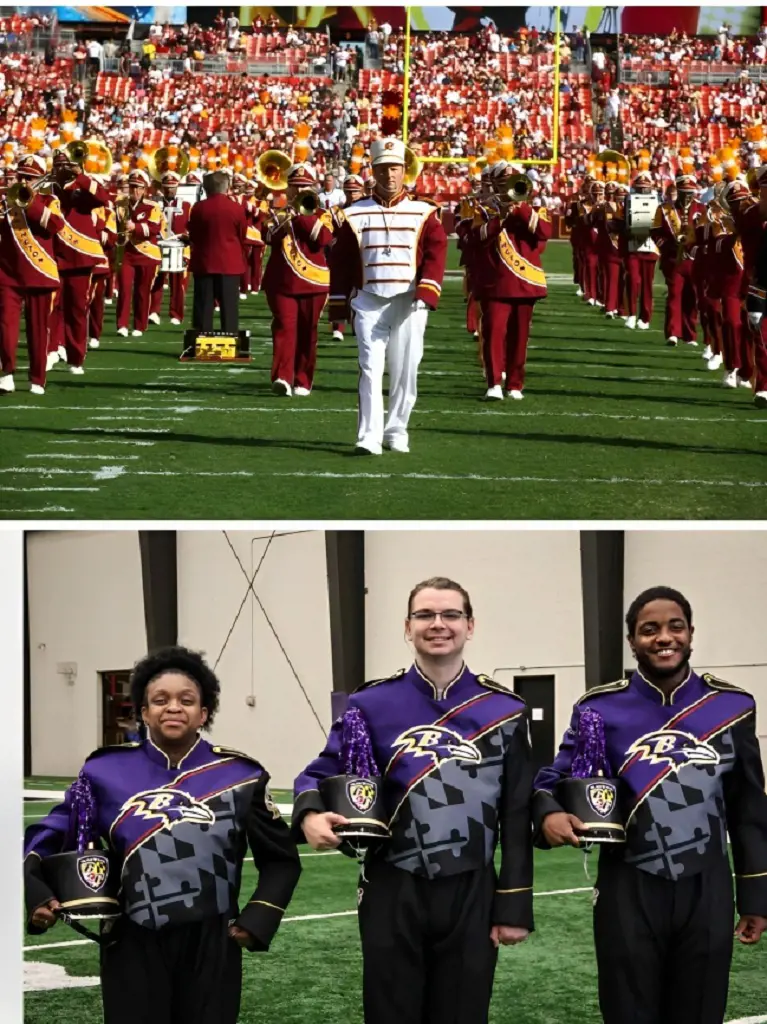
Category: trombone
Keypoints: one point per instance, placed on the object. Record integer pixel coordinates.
(122, 216)
(22, 194)
(518, 189)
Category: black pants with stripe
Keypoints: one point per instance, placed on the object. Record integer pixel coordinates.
(427, 954)
(663, 948)
(190, 974)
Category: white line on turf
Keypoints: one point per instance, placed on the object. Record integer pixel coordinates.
(279, 409)
(56, 455)
(27, 511)
(67, 490)
(301, 917)
(106, 440)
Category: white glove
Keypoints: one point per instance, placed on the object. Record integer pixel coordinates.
(754, 320)
(419, 304)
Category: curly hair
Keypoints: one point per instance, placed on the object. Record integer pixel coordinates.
(176, 659)
(656, 594)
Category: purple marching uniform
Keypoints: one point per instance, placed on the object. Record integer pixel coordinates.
(457, 775)
(689, 771)
(181, 833)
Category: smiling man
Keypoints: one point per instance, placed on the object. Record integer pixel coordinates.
(179, 814)
(454, 751)
(685, 750)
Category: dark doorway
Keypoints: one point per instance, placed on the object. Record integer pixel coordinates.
(538, 693)
(116, 708)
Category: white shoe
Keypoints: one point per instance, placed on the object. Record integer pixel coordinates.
(760, 399)
(742, 381)
(154, 318)
(476, 334)
(642, 325)
(707, 353)
(50, 362)
(579, 293)
(107, 302)
(363, 449)
(715, 362)
(301, 392)
(515, 394)
(592, 302)
(611, 314)
(672, 341)
(631, 322)
(94, 343)
(136, 334)
(692, 344)
(62, 353)
(397, 446)
(600, 304)
(7, 384)
(338, 336)
(730, 380)
(243, 296)
(36, 389)
(175, 321)
(281, 387)
(123, 332)
(78, 371)
(494, 394)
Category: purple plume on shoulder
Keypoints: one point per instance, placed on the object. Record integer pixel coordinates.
(82, 816)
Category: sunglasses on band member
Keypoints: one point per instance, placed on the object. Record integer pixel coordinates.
(450, 615)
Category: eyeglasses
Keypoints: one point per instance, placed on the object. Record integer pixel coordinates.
(451, 615)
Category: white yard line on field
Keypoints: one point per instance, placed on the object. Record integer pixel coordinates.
(28, 511)
(277, 409)
(57, 455)
(67, 490)
(106, 440)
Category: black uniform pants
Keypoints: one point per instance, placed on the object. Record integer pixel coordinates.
(211, 287)
(190, 974)
(426, 949)
(663, 948)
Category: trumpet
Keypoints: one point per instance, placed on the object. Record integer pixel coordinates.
(519, 189)
(306, 203)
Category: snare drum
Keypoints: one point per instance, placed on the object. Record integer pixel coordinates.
(172, 256)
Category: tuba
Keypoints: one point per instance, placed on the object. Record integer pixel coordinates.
(158, 162)
(306, 203)
(272, 170)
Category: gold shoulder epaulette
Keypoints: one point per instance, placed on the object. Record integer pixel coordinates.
(229, 752)
(491, 684)
(375, 682)
(113, 746)
(721, 684)
(595, 691)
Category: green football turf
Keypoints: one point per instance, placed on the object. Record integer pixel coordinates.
(312, 973)
(614, 425)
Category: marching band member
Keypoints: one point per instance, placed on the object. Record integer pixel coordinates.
(141, 258)
(726, 282)
(120, 195)
(107, 222)
(296, 283)
(590, 253)
(752, 225)
(610, 224)
(574, 223)
(176, 213)
(509, 284)
(29, 277)
(354, 190)
(255, 213)
(641, 259)
(700, 246)
(387, 268)
(669, 232)
(78, 250)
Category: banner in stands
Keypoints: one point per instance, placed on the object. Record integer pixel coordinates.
(651, 20)
(120, 15)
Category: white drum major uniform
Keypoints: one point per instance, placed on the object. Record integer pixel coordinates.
(386, 268)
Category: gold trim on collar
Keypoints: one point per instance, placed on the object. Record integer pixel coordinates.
(426, 679)
(658, 689)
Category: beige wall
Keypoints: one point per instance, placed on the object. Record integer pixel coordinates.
(280, 730)
(86, 609)
(723, 574)
(525, 588)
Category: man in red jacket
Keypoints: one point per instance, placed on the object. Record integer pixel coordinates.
(217, 235)
(176, 212)
(29, 278)
(296, 284)
(141, 258)
(510, 282)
